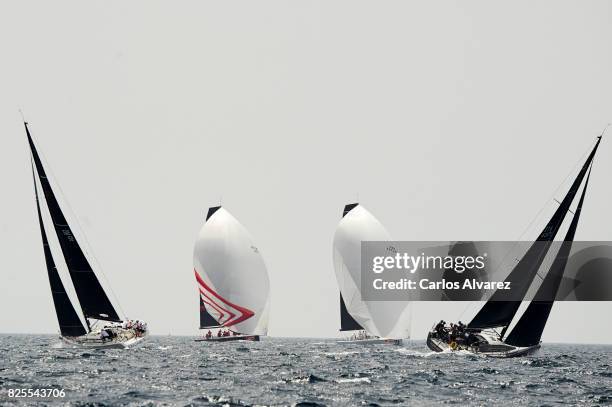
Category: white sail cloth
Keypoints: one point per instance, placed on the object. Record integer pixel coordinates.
(231, 274)
(386, 319)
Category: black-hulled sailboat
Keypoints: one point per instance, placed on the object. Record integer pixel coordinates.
(487, 333)
(100, 325)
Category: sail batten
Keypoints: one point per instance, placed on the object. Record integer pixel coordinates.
(93, 300)
(498, 312)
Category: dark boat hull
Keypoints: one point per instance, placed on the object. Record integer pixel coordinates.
(491, 347)
(251, 338)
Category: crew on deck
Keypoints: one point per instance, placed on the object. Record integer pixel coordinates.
(455, 334)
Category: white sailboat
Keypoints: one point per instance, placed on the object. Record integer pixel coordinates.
(232, 279)
(370, 321)
(98, 325)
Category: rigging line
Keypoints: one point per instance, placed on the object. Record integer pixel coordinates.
(82, 234)
(604, 130)
(537, 216)
(572, 171)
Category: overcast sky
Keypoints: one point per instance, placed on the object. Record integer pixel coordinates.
(449, 120)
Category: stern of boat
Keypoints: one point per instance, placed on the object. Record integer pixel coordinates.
(433, 343)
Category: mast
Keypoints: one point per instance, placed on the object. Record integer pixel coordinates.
(67, 317)
(94, 301)
(529, 328)
(499, 310)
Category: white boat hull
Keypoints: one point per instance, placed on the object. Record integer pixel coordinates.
(93, 341)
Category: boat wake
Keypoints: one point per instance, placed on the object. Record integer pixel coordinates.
(420, 354)
(346, 353)
(354, 380)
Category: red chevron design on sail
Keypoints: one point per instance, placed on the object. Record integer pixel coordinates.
(227, 313)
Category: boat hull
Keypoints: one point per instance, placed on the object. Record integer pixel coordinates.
(372, 341)
(490, 347)
(88, 342)
(250, 338)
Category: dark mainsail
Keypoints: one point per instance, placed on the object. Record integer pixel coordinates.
(67, 317)
(206, 320)
(347, 322)
(528, 330)
(94, 301)
(498, 312)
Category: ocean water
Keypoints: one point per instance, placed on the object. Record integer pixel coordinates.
(277, 371)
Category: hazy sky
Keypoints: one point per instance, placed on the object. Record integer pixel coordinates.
(449, 120)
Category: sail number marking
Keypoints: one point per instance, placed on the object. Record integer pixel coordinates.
(68, 234)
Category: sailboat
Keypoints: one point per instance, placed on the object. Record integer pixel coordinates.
(98, 324)
(371, 322)
(232, 280)
(487, 333)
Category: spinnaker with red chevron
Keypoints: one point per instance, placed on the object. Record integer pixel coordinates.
(232, 280)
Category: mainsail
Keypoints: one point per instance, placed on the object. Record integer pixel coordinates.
(207, 321)
(67, 317)
(92, 298)
(232, 276)
(347, 322)
(499, 311)
(386, 319)
(529, 328)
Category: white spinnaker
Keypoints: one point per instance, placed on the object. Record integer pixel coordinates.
(234, 274)
(386, 319)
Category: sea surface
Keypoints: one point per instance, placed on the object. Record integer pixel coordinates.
(280, 371)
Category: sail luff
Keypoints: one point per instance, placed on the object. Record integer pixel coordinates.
(528, 330)
(92, 298)
(499, 312)
(67, 317)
